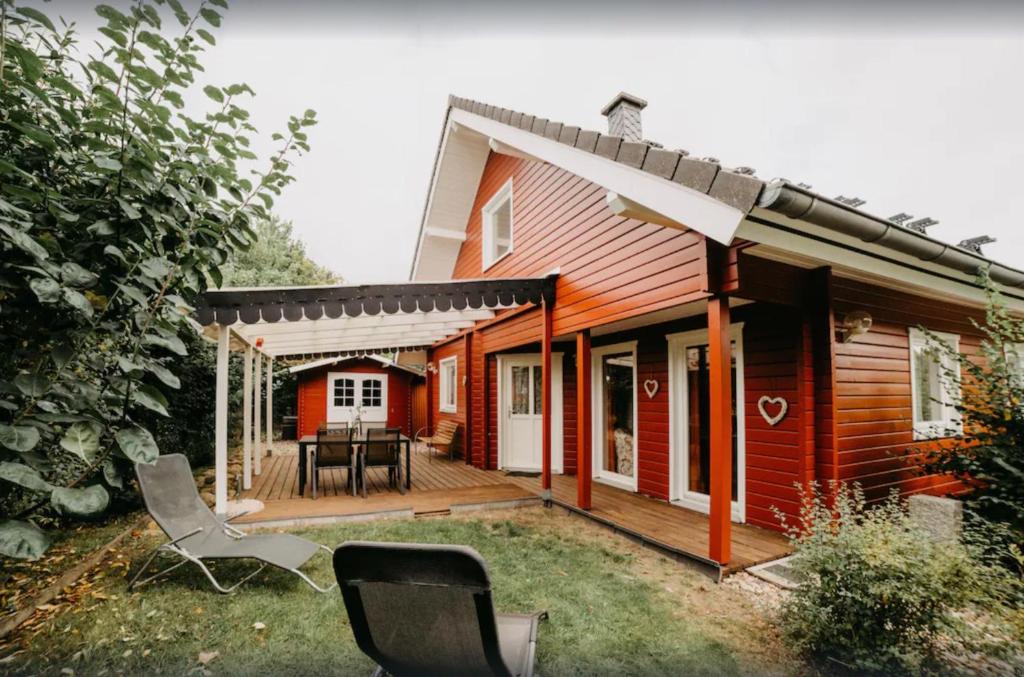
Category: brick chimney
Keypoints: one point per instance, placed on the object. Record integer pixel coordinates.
(623, 113)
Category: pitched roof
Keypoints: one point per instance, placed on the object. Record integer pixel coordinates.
(338, 360)
(736, 187)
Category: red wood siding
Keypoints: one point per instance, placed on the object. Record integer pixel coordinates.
(312, 395)
(874, 422)
(610, 267)
(454, 348)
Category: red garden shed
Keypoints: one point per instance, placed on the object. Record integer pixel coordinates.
(333, 389)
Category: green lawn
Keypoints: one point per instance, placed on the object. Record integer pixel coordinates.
(614, 608)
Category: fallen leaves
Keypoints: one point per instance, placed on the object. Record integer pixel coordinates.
(205, 657)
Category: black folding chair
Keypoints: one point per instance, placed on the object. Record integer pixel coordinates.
(426, 610)
(335, 449)
(382, 449)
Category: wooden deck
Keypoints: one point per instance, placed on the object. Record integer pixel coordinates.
(440, 486)
(665, 525)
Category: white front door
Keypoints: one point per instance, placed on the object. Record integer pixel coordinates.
(519, 413)
(690, 445)
(351, 395)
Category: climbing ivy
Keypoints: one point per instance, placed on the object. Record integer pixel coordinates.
(118, 206)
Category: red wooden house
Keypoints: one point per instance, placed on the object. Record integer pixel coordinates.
(658, 324)
(331, 390)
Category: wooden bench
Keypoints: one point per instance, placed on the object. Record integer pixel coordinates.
(443, 438)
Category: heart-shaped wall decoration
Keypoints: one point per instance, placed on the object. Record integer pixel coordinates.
(651, 388)
(779, 402)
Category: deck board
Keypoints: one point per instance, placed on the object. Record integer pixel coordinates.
(438, 483)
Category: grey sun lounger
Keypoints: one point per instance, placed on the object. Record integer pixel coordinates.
(197, 535)
(426, 610)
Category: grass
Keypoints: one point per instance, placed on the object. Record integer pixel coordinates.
(614, 608)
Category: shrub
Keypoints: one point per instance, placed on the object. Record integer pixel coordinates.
(879, 594)
(989, 458)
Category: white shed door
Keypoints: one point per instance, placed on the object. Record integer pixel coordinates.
(349, 393)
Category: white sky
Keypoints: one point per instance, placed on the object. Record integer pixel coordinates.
(925, 119)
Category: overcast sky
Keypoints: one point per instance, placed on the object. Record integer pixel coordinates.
(915, 109)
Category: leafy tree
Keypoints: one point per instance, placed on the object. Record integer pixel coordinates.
(276, 258)
(989, 458)
(117, 208)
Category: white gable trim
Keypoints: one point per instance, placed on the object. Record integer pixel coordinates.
(682, 205)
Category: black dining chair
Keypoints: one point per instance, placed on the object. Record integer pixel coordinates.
(381, 449)
(334, 449)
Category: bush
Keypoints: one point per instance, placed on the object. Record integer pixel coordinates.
(878, 594)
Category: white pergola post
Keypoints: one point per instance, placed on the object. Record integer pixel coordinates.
(221, 421)
(247, 419)
(270, 405)
(257, 402)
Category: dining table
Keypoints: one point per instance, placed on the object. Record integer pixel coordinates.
(308, 441)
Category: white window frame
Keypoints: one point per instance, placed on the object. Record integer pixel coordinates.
(597, 424)
(487, 225)
(448, 387)
(950, 424)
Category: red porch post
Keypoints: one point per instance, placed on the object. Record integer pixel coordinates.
(468, 437)
(545, 371)
(583, 456)
(720, 395)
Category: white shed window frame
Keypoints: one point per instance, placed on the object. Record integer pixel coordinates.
(447, 384)
(950, 425)
(487, 226)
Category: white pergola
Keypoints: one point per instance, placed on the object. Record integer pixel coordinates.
(299, 323)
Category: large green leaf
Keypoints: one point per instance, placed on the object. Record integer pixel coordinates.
(36, 16)
(23, 475)
(150, 398)
(80, 502)
(112, 475)
(33, 385)
(20, 438)
(46, 289)
(22, 540)
(76, 276)
(137, 444)
(164, 374)
(77, 300)
(83, 440)
(171, 343)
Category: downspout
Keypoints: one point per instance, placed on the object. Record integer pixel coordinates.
(799, 203)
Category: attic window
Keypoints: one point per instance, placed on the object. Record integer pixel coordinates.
(497, 226)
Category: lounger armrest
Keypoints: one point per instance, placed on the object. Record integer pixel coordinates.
(230, 530)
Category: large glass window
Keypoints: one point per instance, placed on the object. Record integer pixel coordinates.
(448, 373)
(932, 374)
(497, 226)
(617, 385)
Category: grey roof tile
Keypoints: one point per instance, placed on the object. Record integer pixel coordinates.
(568, 135)
(661, 162)
(515, 119)
(527, 122)
(539, 125)
(737, 190)
(632, 154)
(607, 146)
(587, 140)
(506, 115)
(696, 174)
(552, 130)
